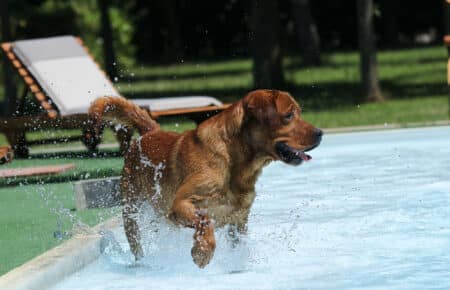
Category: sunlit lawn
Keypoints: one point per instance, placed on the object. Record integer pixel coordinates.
(413, 81)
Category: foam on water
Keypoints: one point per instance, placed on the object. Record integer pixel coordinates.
(370, 211)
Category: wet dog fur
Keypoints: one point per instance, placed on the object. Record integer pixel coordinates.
(205, 178)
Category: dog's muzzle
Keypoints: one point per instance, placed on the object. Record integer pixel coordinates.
(291, 155)
(295, 156)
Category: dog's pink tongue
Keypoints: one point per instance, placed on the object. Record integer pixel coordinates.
(304, 156)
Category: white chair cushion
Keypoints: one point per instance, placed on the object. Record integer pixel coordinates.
(161, 104)
(72, 80)
(72, 83)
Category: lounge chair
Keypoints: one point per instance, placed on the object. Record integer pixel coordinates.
(65, 79)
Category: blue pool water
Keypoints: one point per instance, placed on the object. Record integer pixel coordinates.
(371, 211)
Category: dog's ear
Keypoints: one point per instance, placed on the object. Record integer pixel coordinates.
(259, 105)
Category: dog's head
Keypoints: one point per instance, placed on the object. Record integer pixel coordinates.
(274, 126)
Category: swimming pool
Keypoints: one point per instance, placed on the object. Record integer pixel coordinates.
(371, 210)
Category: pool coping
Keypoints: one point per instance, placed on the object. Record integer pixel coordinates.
(49, 268)
(387, 126)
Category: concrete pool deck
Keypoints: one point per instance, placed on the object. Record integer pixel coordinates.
(54, 265)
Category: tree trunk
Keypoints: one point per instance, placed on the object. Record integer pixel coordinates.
(368, 56)
(265, 43)
(109, 55)
(10, 90)
(308, 36)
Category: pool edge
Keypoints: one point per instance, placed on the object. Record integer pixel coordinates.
(51, 267)
(391, 126)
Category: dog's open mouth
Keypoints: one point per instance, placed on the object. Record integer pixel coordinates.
(291, 155)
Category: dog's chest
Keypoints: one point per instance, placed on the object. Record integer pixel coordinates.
(230, 208)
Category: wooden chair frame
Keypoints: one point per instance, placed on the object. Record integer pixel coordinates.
(15, 127)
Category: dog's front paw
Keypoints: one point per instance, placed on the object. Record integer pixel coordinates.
(202, 252)
(204, 241)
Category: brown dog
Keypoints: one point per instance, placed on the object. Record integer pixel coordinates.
(205, 178)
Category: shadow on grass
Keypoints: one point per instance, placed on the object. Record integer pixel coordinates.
(381, 62)
(294, 63)
(192, 74)
(84, 154)
(330, 96)
(184, 75)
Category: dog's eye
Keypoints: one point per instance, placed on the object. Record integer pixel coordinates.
(289, 116)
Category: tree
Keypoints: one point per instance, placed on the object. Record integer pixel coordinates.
(10, 87)
(265, 45)
(109, 54)
(308, 36)
(368, 56)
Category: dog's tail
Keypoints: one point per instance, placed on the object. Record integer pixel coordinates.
(121, 111)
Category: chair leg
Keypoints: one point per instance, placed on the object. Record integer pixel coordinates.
(18, 143)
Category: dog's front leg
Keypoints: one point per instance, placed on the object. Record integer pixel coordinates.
(184, 212)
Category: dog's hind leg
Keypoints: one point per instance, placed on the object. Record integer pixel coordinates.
(238, 227)
(130, 210)
(130, 213)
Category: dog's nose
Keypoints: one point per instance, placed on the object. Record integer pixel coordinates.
(318, 134)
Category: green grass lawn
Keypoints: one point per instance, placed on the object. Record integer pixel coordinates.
(34, 218)
(416, 110)
(413, 81)
(33, 209)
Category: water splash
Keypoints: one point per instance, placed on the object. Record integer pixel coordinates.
(230, 256)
